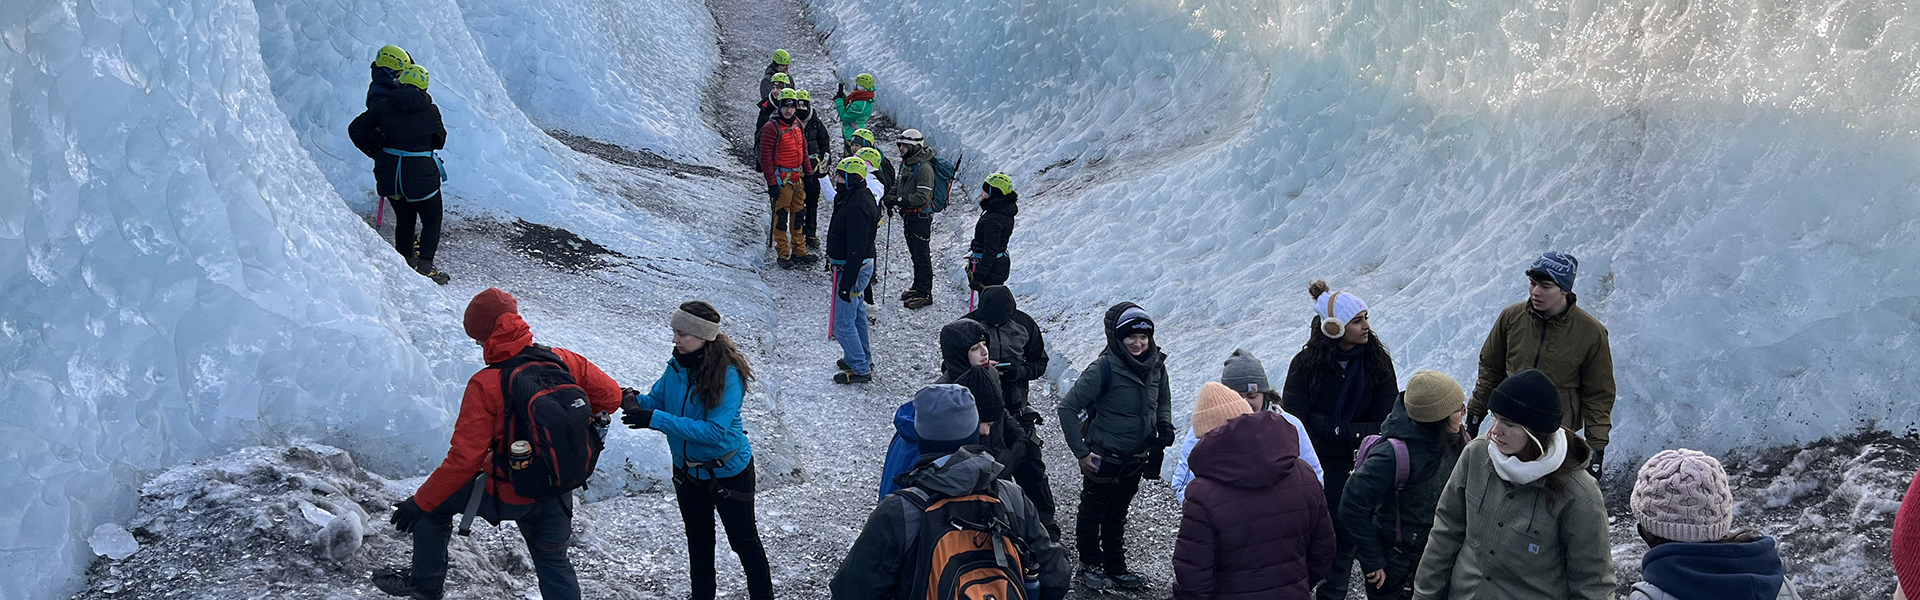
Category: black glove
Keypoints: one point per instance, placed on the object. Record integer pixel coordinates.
(1011, 374)
(840, 92)
(1473, 424)
(1164, 437)
(773, 191)
(845, 289)
(1599, 461)
(1155, 458)
(405, 514)
(637, 418)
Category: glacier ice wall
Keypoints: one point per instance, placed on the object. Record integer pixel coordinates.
(1736, 177)
(181, 269)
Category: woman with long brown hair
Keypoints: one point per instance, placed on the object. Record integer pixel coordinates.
(696, 403)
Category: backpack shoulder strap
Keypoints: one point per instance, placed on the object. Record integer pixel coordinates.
(1401, 462)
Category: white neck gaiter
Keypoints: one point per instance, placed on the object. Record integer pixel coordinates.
(1521, 472)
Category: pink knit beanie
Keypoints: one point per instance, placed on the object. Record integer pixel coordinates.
(1217, 405)
(1682, 495)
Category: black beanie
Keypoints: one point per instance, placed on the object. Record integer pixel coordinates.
(996, 305)
(1530, 399)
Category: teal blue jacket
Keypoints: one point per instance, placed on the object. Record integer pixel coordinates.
(695, 434)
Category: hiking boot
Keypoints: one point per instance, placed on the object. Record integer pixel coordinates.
(908, 294)
(806, 259)
(413, 263)
(1127, 580)
(1093, 577)
(399, 582)
(785, 263)
(813, 243)
(425, 267)
(851, 377)
(919, 302)
(842, 363)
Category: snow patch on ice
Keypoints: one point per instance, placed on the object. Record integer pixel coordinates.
(112, 541)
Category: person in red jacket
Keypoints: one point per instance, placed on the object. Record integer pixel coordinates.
(1906, 543)
(492, 319)
(1255, 524)
(785, 163)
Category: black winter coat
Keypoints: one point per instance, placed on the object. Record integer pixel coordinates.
(880, 564)
(995, 227)
(1130, 398)
(856, 220)
(1381, 521)
(407, 120)
(1315, 404)
(818, 141)
(1015, 339)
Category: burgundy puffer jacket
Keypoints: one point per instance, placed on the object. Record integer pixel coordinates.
(1255, 524)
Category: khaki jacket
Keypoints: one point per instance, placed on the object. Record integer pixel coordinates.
(1493, 540)
(1571, 349)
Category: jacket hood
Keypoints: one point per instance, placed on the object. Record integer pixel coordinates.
(1729, 571)
(903, 423)
(996, 305)
(1578, 453)
(924, 154)
(409, 99)
(1006, 204)
(955, 339)
(510, 336)
(1254, 451)
(968, 470)
(1400, 425)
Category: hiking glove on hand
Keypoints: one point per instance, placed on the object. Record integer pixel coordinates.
(405, 514)
(1156, 456)
(845, 289)
(637, 418)
(1473, 424)
(1599, 460)
(773, 191)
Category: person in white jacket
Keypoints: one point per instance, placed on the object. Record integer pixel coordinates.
(1245, 376)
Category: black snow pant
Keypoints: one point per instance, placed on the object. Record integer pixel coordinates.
(1402, 560)
(547, 525)
(1338, 465)
(404, 214)
(811, 216)
(1100, 531)
(732, 497)
(1031, 473)
(992, 270)
(919, 232)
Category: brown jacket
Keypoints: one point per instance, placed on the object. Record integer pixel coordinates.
(1571, 349)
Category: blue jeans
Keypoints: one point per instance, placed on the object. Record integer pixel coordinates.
(850, 321)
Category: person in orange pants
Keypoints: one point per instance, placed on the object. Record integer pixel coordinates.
(785, 164)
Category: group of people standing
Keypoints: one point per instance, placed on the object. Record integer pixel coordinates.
(1282, 489)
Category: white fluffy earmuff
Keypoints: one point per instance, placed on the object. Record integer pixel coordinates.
(1331, 325)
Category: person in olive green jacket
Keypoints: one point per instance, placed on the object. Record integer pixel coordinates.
(1386, 516)
(1550, 332)
(1520, 518)
(1129, 406)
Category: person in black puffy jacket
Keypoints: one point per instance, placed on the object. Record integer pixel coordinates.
(988, 253)
(400, 134)
(818, 141)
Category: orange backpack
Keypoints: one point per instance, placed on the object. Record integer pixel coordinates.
(965, 550)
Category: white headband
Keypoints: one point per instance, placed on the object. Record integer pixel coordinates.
(686, 323)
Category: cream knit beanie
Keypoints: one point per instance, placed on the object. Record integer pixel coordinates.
(1682, 495)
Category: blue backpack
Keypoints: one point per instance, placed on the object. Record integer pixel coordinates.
(943, 172)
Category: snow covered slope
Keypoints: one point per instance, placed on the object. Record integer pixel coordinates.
(180, 270)
(1737, 178)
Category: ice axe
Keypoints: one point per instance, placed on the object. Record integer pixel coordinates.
(380, 213)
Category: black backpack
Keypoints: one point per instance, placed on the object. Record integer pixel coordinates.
(547, 408)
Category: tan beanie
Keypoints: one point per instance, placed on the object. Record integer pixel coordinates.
(1682, 495)
(1433, 396)
(1217, 405)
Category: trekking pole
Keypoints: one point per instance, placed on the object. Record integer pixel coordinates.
(833, 302)
(886, 250)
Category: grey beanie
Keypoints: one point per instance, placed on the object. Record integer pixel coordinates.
(945, 412)
(1245, 374)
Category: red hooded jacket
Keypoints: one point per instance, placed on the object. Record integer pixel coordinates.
(480, 427)
(1255, 525)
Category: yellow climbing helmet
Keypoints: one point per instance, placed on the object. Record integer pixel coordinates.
(865, 81)
(803, 96)
(854, 165)
(869, 154)
(1000, 181)
(413, 75)
(781, 57)
(782, 78)
(392, 57)
(788, 94)
(864, 134)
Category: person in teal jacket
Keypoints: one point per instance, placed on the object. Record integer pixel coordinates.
(696, 403)
(854, 108)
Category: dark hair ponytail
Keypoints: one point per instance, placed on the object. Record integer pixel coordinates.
(710, 380)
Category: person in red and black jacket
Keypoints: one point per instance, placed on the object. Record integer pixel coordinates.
(492, 319)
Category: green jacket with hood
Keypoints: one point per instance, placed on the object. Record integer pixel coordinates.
(1494, 540)
(1130, 400)
(1369, 506)
(1573, 351)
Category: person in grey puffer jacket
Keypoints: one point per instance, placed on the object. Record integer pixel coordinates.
(1129, 425)
(1685, 510)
